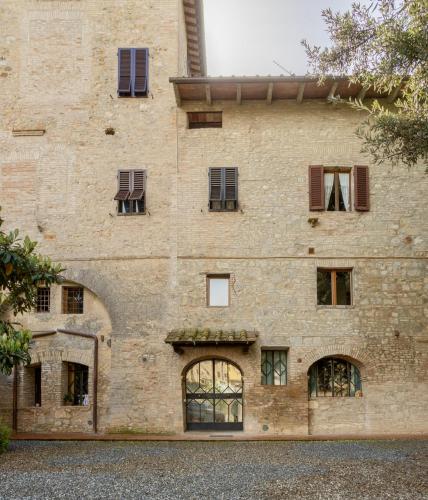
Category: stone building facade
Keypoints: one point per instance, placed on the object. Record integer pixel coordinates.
(145, 278)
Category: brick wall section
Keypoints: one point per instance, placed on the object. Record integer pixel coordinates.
(146, 275)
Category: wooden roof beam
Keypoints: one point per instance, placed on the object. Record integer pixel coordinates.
(332, 91)
(238, 93)
(269, 93)
(300, 92)
(177, 94)
(208, 94)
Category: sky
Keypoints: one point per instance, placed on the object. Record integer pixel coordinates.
(244, 37)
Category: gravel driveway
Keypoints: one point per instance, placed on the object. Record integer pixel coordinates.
(220, 470)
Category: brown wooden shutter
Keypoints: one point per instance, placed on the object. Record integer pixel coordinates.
(361, 188)
(138, 185)
(231, 184)
(215, 184)
(141, 71)
(316, 187)
(124, 185)
(124, 87)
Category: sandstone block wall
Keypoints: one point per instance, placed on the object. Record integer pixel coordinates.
(145, 275)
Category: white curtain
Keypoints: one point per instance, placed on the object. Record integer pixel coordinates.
(328, 187)
(344, 186)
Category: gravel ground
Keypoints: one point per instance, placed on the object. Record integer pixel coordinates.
(217, 470)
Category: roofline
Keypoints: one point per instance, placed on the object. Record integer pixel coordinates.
(201, 38)
(193, 11)
(252, 79)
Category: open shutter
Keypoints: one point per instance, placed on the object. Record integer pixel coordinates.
(124, 178)
(124, 87)
(141, 71)
(231, 184)
(316, 187)
(138, 185)
(361, 188)
(215, 184)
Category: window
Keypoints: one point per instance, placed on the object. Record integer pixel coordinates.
(218, 290)
(336, 190)
(77, 385)
(334, 377)
(274, 367)
(131, 192)
(223, 189)
(330, 188)
(133, 73)
(43, 299)
(205, 120)
(334, 287)
(37, 385)
(72, 300)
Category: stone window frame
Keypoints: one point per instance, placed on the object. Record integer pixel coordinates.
(43, 304)
(351, 270)
(65, 301)
(210, 276)
(283, 349)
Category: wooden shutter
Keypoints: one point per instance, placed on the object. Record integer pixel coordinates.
(138, 185)
(141, 71)
(316, 187)
(124, 87)
(215, 184)
(361, 188)
(124, 185)
(231, 184)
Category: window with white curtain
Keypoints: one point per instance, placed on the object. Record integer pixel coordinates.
(337, 189)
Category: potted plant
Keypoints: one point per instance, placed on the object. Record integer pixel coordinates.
(68, 399)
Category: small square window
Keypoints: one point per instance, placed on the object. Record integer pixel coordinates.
(218, 290)
(334, 287)
(72, 300)
(274, 367)
(202, 119)
(43, 299)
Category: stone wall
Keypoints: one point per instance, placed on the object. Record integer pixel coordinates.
(146, 275)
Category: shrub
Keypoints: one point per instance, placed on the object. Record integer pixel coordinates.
(4, 437)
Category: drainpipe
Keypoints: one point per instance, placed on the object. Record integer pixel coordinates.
(15, 399)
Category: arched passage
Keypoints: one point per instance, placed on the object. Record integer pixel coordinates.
(213, 395)
(335, 389)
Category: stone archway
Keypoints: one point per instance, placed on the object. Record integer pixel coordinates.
(213, 395)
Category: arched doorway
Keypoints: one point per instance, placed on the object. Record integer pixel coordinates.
(214, 396)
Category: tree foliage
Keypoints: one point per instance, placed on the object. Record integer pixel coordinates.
(384, 46)
(22, 270)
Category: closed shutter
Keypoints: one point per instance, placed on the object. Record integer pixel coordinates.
(361, 188)
(124, 185)
(124, 87)
(141, 71)
(138, 185)
(231, 184)
(215, 184)
(316, 187)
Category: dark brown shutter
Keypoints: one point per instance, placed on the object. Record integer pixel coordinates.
(316, 187)
(215, 184)
(124, 185)
(141, 71)
(361, 188)
(124, 71)
(138, 185)
(231, 184)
